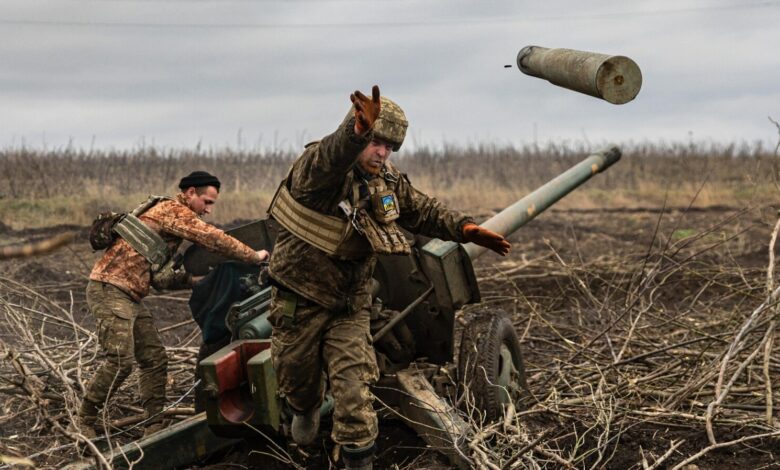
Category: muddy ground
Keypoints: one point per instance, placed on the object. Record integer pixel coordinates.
(566, 272)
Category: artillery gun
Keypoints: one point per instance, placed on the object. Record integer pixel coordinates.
(416, 298)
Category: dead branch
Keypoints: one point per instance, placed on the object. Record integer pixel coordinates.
(712, 447)
(777, 125)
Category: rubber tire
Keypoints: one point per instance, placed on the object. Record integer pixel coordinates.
(481, 365)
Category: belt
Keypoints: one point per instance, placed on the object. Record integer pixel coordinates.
(300, 300)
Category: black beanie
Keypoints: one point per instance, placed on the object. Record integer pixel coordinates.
(198, 179)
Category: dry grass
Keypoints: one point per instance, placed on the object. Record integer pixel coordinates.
(41, 189)
(644, 360)
(643, 354)
(46, 357)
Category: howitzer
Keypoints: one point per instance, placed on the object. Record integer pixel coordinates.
(616, 79)
(413, 325)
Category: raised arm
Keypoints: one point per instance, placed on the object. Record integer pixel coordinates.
(325, 163)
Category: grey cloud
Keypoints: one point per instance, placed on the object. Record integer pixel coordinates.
(709, 68)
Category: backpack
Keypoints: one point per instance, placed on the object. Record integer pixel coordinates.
(101, 232)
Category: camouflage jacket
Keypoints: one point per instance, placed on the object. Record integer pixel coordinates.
(321, 178)
(126, 269)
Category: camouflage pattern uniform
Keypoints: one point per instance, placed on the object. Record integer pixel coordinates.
(320, 308)
(126, 332)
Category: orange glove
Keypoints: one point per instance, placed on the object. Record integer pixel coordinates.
(483, 237)
(366, 110)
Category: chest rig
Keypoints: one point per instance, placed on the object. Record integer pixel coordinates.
(147, 242)
(367, 223)
(374, 212)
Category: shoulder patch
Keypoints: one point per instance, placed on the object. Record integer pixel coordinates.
(311, 143)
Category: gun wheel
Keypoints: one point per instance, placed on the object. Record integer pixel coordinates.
(490, 365)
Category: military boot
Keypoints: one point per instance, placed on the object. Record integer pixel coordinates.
(359, 458)
(305, 426)
(84, 427)
(86, 421)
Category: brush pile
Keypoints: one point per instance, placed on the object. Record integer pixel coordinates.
(645, 348)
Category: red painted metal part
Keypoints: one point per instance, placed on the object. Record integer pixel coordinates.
(235, 400)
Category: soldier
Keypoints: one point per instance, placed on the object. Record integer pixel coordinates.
(341, 204)
(121, 278)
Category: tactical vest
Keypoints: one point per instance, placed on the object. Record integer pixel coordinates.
(147, 242)
(367, 223)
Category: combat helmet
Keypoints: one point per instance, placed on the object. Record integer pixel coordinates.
(390, 125)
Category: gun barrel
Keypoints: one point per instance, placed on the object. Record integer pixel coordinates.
(616, 79)
(523, 211)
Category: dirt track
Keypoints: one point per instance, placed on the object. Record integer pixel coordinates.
(568, 278)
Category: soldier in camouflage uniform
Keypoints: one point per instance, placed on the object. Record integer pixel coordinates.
(321, 299)
(122, 277)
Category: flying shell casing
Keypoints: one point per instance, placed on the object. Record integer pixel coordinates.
(613, 78)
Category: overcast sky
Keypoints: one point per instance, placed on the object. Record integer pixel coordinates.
(175, 73)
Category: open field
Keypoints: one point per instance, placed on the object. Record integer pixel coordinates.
(640, 301)
(41, 189)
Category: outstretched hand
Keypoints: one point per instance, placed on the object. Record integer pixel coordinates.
(483, 237)
(366, 110)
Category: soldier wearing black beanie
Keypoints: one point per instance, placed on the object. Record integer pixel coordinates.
(197, 179)
(123, 276)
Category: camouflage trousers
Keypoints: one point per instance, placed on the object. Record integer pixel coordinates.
(126, 334)
(308, 340)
